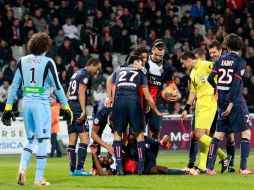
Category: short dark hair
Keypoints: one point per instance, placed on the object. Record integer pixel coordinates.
(133, 58)
(186, 55)
(199, 51)
(38, 43)
(233, 42)
(139, 51)
(93, 61)
(215, 44)
(159, 44)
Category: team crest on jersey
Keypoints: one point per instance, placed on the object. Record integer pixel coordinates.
(202, 78)
(96, 121)
(85, 81)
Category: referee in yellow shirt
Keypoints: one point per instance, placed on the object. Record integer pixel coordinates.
(206, 103)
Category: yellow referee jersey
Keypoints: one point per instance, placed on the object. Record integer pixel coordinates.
(199, 83)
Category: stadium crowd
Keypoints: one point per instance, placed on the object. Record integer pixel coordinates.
(110, 29)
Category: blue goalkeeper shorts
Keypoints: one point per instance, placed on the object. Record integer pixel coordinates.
(37, 119)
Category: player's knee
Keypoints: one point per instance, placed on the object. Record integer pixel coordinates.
(199, 133)
(230, 137)
(246, 134)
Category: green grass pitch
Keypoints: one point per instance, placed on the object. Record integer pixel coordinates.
(57, 173)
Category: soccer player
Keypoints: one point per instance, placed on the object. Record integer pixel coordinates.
(233, 114)
(101, 117)
(206, 104)
(37, 74)
(159, 72)
(79, 85)
(127, 107)
(143, 54)
(215, 52)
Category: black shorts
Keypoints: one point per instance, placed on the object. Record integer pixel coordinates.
(213, 127)
(127, 111)
(237, 121)
(78, 128)
(153, 120)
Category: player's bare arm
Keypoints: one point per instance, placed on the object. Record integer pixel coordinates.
(190, 101)
(109, 99)
(82, 102)
(99, 140)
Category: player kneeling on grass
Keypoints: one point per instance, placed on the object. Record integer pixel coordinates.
(79, 83)
(38, 74)
(233, 114)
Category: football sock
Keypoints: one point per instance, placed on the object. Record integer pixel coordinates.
(213, 149)
(118, 154)
(194, 145)
(175, 172)
(82, 151)
(231, 152)
(26, 155)
(41, 159)
(203, 156)
(245, 149)
(207, 140)
(72, 157)
(141, 156)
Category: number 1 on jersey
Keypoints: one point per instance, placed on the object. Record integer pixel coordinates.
(33, 71)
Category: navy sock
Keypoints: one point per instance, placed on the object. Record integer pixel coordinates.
(72, 157)
(118, 154)
(82, 151)
(245, 149)
(141, 156)
(194, 146)
(212, 154)
(231, 152)
(175, 172)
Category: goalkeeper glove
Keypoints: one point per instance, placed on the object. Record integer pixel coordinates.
(68, 115)
(7, 115)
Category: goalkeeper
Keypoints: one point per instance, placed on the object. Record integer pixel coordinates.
(37, 74)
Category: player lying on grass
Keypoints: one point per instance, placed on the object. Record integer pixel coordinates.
(233, 114)
(131, 157)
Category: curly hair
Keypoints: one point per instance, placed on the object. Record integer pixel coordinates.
(233, 42)
(38, 43)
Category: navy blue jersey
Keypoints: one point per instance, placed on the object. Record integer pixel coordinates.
(157, 75)
(80, 77)
(230, 69)
(128, 81)
(100, 115)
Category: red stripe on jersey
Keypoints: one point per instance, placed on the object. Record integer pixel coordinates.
(214, 71)
(237, 76)
(153, 91)
(141, 97)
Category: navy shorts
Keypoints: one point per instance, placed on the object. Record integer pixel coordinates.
(154, 121)
(127, 111)
(237, 121)
(75, 127)
(213, 127)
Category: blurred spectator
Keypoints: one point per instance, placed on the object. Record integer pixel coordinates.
(70, 30)
(98, 21)
(39, 22)
(85, 31)
(64, 80)
(80, 13)
(177, 109)
(63, 11)
(59, 39)
(83, 58)
(106, 62)
(169, 41)
(50, 12)
(197, 12)
(248, 99)
(92, 43)
(53, 49)
(197, 38)
(99, 93)
(5, 53)
(15, 36)
(54, 27)
(10, 70)
(151, 38)
(4, 88)
(125, 42)
(106, 42)
(1, 78)
(28, 26)
(59, 65)
(66, 51)
(72, 68)
(106, 9)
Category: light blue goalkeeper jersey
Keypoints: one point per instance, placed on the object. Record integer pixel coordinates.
(37, 75)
